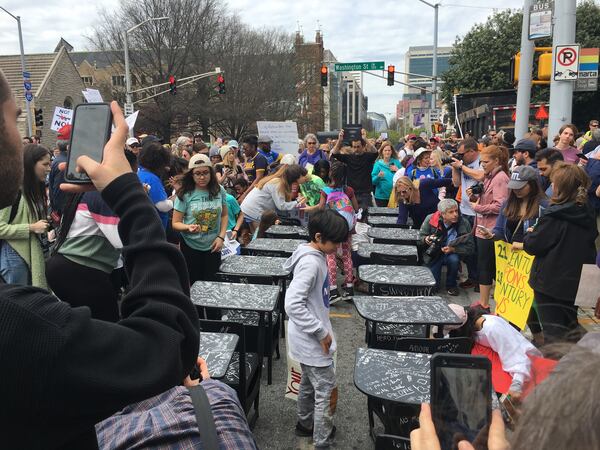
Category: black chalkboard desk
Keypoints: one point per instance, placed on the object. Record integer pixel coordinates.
(388, 253)
(287, 231)
(381, 211)
(398, 236)
(397, 280)
(257, 299)
(392, 381)
(217, 350)
(385, 222)
(412, 316)
(272, 247)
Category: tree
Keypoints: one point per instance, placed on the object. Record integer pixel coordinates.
(480, 61)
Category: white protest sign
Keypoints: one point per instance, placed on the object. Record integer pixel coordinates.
(284, 135)
(92, 95)
(130, 121)
(62, 117)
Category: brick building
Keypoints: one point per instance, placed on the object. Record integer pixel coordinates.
(55, 82)
(308, 61)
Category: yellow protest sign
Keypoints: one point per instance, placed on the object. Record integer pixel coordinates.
(513, 294)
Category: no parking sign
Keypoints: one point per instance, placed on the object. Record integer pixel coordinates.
(566, 62)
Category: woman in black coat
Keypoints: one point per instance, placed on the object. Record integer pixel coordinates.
(562, 241)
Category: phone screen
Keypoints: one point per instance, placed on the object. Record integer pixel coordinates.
(91, 131)
(461, 404)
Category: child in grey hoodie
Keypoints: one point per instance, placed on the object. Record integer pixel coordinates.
(310, 334)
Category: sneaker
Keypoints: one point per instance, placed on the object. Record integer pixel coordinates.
(334, 296)
(302, 431)
(467, 284)
(453, 291)
(349, 292)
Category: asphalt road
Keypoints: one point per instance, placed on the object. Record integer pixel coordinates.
(275, 426)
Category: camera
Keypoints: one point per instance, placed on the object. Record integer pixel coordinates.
(477, 189)
(447, 160)
(435, 246)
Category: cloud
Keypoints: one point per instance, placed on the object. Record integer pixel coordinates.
(353, 30)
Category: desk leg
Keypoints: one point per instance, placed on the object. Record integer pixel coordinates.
(261, 341)
(269, 342)
(283, 315)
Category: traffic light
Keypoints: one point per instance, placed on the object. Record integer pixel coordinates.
(545, 66)
(390, 79)
(39, 117)
(221, 81)
(172, 85)
(324, 73)
(515, 62)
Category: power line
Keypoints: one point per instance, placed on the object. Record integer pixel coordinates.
(472, 6)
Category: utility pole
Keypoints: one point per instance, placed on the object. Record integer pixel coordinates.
(435, 45)
(525, 70)
(27, 102)
(561, 92)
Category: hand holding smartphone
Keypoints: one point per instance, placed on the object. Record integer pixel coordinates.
(461, 397)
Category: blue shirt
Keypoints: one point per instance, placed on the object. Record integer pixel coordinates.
(271, 156)
(157, 191)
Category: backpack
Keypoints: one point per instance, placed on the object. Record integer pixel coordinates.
(339, 201)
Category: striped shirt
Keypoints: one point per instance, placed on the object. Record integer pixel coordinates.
(168, 421)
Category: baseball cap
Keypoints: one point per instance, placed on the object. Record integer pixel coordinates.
(149, 139)
(64, 132)
(288, 159)
(199, 160)
(214, 151)
(132, 141)
(264, 139)
(526, 145)
(521, 175)
(233, 143)
(224, 150)
(412, 137)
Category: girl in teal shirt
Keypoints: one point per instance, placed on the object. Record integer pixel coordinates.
(383, 173)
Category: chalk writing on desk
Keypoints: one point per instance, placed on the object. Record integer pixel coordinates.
(217, 349)
(390, 375)
(388, 331)
(255, 265)
(256, 297)
(382, 211)
(399, 291)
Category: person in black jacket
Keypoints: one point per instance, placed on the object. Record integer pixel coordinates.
(562, 241)
(62, 371)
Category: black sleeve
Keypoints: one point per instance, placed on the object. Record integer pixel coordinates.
(100, 367)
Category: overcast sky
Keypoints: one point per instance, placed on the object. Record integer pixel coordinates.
(353, 30)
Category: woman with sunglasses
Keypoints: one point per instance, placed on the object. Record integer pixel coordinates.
(201, 216)
(312, 153)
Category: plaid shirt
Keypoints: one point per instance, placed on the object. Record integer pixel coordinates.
(168, 421)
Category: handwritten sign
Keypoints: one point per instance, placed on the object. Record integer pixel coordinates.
(513, 294)
(62, 117)
(284, 135)
(92, 95)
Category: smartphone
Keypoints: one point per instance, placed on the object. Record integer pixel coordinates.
(484, 229)
(91, 131)
(461, 398)
(582, 156)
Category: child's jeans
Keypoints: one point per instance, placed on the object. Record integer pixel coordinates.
(317, 401)
(346, 250)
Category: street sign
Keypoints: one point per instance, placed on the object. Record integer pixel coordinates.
(128, 109)
(434, 115)
(27, 85)
(351, 67)
(28, 96)
(566, 62)
(27, 75)
(540, 20)
(586, 85)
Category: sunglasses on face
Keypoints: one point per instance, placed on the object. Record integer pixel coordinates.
(311, 143)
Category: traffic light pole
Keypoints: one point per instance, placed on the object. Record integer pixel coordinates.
(561, 92)
(525, 74)
(27, 103)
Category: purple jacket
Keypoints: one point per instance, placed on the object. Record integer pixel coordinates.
(305, 158)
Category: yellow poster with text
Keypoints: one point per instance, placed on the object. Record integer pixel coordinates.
(513, 294)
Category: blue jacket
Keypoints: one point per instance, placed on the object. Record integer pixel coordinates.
(592, 168)
(383, 185)
(502, 233)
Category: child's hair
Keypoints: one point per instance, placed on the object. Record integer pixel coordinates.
(320, 166)
(267, 219)
(338, 174)
(330, 224)
(241, 182)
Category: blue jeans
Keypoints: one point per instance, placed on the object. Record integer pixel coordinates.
(471, 260)
(13, 268)
(452, 262)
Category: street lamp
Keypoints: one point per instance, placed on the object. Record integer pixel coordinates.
(27, 105)
(127, 74)
(435, 44)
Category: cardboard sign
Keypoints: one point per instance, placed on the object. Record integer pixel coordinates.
(92, 95)
(513, 294)
(62, 117)
(284, 135)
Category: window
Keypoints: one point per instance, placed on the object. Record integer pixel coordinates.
(87, 80)
(118, 80)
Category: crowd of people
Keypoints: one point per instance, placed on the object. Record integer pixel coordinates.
(161, 215)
